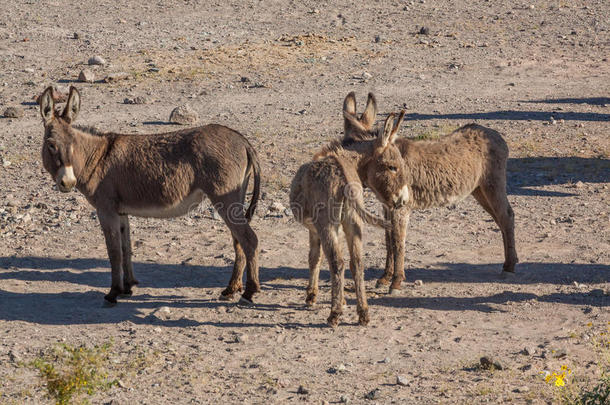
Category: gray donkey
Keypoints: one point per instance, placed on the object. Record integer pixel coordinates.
(326, 197)
(469, 161)
(158, 175)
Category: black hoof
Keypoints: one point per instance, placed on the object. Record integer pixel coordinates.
(109, 301)
(245, 301)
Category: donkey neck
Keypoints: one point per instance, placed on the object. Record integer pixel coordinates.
(89, 152)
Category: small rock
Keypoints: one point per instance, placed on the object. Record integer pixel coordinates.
(120, 384)
(375, 394)
(579, 184)
(302, 390)
(386, 360)
(522, 389)
(245, 79)
(14, 357)
(418, 283)
(162, 312)
(241, 338)
(344, 399)
(13, 112)
(488, 363)
(96, 60)
(424, 31)
(86, 76)
(529, 351)
(367, 76)
(377, 38)
(183, 115)
(115, 77)
(277, 206)
(402, 380)
(76, 35)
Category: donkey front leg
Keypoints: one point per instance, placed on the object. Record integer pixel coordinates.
(389, 258)
(111, 226)
(400, 220)
(129, 279)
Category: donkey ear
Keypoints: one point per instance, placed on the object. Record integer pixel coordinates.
(396, 126)
(349, 104)
(370, 112)
(386, 136)
(72, 106)
(352, 124)
(47, 105)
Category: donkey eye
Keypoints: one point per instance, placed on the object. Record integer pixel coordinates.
(393, 169)
(52, 148)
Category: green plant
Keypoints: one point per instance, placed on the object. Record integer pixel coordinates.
(71, 371)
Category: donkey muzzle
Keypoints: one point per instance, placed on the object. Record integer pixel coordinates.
(402, 198)
(65, 179)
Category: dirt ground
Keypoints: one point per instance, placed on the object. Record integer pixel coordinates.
(537, 71)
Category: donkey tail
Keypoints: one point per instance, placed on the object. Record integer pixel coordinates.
(368, 217)
(254, 164)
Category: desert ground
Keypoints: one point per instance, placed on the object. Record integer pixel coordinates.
(537, 71)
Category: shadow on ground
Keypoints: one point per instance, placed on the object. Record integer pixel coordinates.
(85, 307)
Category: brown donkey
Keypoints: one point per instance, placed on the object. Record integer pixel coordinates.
(159, 175)
(471, 160)
(326, 196)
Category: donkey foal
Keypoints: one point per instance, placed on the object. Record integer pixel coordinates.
(326, 194)
(157, 175)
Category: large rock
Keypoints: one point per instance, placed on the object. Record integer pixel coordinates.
(86, 76)
(184, 115)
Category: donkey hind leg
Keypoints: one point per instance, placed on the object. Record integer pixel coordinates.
(493, 199)
(389, 258)
(235, 284)
(315, 260)
(400, 221)
(129, 279)
(353, 236)
(334, 256)
(230, 208)
(111, 226)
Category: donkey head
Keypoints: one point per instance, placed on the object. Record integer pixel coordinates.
(385, 171)
(357, 128)
(58, 143)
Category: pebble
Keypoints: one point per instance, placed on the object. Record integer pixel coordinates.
(402, 380)
(183, 115)
(136, 100)
(242, 338)
(579, 184)
(344, 399)
(302, 390)
(96, 60)
(418, 283)
(13, 112)
(522, 389)
(86, 76)
(374, 394)
(162, 312)
(377, 38)
(76, 35)
(529, 351)
(366, 75)
(115, 77)
(277, 206)
(386, 360)
(488, 363)
(424, 31)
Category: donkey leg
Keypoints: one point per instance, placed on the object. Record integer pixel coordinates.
(111, 226)
(332, 250)
(235, 284)
(353, 235)
(315, 250)
(389, 258)
(400, 220)
(494, 200)
(129, 279)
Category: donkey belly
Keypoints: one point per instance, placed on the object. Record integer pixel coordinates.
(179, 208)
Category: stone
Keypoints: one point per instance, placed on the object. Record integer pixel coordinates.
(522, 389)
(374, 394)
(183, 115)
(162, 312)
(424, 31)
(13, 112)
(76, 35)
(366, 75)
(241, 338)
(96, 60)
(277, 206)
(418, 283)
(529, 351)
(302, 390)
(488, 363)
(115, 77)
(402, 381)
(86, 76)
(344, 399)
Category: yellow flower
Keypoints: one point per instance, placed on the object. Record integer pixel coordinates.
(559, 380)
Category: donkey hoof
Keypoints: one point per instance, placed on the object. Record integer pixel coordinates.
(245, 301)
(381, 283)
(226, 297)
(363, 318)
(394, 291)
(333, 320)
(109, 302)
(126, 293)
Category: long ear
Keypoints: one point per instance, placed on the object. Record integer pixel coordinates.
(351, 123)
(370, 112)
(349, 104)
(385, 137)
(396, 126)
(72, 106)
(47, 105)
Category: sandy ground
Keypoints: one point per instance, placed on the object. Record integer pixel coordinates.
(536, 71)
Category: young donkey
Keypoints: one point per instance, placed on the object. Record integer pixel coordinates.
(161, 175)
(326, 194)
(471, 160)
